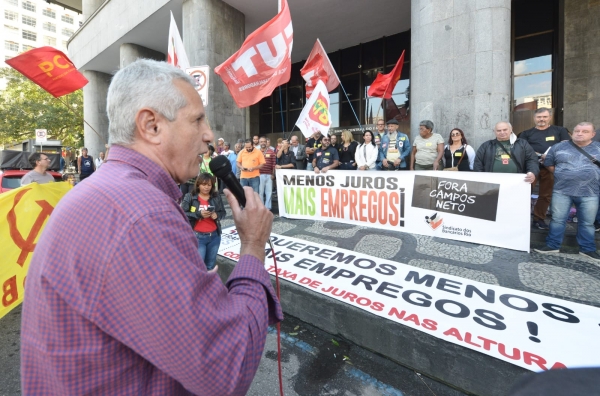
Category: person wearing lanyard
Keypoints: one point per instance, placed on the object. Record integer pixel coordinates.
(204, 210)
(326, 158)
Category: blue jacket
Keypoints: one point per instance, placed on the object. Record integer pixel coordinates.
(232, 157)
(402, 143)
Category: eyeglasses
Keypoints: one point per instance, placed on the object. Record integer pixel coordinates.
(455, 134)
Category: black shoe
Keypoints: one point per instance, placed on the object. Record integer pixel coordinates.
(597, 225)
(593, 255)
(547, 249)
(540, 224)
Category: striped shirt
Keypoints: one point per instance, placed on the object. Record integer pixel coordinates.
(126, 306)
(270, 162)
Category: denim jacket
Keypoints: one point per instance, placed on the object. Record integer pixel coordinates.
(401, 140)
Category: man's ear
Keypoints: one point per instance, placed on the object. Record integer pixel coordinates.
(148, 125)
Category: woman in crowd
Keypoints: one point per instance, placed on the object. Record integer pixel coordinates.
(347, 151)
(457, 153)
(428, 148)
(367, 153)
(204, 210)
(206, 158)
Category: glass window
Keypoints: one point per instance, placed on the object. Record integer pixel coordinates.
(394, 45)
(277, 94)
(29, 6)
(11, 31)
(7, 57)
(296, 77)
(27, 47)
(350, 60)
(334, 109)
(27, 20)
(26, 34)
(265, 105)
(12, 2)
(372, 54)
(67, 19)
(532, 72)
(50, 41)
(294, 115)
(533, 88)
(347, 117)
(524, 20)
(64, 43)
(277, 122)
(11, 46)
(352, 85)
(296, 97)
(49, 13)
(10, 15)
(266, 123)
(49, 26)
(67, 32)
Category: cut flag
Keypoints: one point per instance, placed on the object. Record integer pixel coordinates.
(319, 67)
(50, 69)
(384, 84)
(176, 55)
(315, 114)
(254, 71)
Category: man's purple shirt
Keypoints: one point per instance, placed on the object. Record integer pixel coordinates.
(119, 301)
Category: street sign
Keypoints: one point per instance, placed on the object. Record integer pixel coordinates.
(200, 76)
(41, 136)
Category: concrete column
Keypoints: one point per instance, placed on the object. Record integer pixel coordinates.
(582, 63)
(88, 7)
(212, 32)
(94, 111)
(131, 52)
(460, 66)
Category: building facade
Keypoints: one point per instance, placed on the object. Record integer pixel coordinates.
(29, 24)
(468, 63)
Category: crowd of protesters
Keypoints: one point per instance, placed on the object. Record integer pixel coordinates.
(536, 153)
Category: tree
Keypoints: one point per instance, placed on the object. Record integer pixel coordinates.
(25, 107)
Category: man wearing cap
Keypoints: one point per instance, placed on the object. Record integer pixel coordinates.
(325, 157)
(395, 147)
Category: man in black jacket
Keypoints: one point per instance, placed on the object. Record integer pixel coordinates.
(507, 154)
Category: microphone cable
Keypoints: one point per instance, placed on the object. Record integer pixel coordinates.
(277, 292)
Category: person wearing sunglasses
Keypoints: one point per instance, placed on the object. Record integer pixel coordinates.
(458, 155)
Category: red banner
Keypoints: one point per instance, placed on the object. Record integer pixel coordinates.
(255, 70)
(50, 69)
(384, 84)
(319, 67)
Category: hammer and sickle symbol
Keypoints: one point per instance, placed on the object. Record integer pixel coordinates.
(26, 245)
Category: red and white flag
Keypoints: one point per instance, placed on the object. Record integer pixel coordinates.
(384, 84)
(255, 70)
(315, 115)
(176, 55)
(319, 67)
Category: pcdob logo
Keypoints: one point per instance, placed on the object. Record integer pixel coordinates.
(434, 221)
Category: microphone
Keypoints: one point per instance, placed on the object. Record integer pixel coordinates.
(221, 168)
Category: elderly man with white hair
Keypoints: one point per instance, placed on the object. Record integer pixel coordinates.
(507, 154)
(132, 309)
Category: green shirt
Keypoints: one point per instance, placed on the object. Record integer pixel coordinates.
(503, 163)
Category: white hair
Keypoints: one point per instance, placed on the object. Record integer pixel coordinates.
(142, 84)
(504, 122)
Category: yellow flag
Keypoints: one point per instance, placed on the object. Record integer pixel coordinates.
(23, 215)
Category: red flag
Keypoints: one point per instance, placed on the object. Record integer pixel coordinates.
(384, 84)
(254, 71)
(50, 69)
(319, 67)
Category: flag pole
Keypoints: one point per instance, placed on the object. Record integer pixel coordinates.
(352, 107)
(281, 112)
(87, 123)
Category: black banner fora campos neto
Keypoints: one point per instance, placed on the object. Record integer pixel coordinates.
(462, 197)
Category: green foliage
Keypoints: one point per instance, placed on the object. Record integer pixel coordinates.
(25, 107)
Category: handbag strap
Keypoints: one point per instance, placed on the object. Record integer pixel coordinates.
(462, 156)
(582, 151)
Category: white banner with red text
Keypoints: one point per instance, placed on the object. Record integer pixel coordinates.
(486, 208)
(532, 331)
